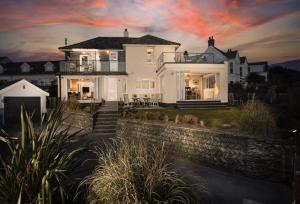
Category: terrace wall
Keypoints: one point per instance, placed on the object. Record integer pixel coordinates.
(262, 158)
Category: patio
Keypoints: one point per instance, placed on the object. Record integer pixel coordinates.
(143, 101)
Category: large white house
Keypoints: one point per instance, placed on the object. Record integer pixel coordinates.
(110, 67)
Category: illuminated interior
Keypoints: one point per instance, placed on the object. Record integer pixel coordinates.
(201, 86)
(81, 89)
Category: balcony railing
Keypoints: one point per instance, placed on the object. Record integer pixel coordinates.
(183, 57)
(92, 66)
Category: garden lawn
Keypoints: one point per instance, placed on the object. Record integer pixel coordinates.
(211, 117)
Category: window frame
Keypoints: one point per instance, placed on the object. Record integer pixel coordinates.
(150, 57)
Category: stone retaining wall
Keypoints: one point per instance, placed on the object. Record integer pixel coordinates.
(79, 119)
(262, 158)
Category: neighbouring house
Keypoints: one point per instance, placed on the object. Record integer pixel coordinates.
(15, 93)
(40, 73)
(4, 60)
(109, 67)
(239, 67)
(259, 68)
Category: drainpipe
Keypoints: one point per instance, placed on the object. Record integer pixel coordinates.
(59, 79)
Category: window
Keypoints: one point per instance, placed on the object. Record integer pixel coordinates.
(138, 84)
(84, 60)
(1, 69)
(231, 68)
(124, 86)
(241, 71)
(152, 84)
(113, 56)
(210, 82)
(145, 84)
(25, 67)
(248, 69)
(150, 55)
(49, 67)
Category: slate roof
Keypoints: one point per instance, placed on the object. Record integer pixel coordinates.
(230, 54)
(4, 59)
(118, 42)
(243, 59)
(259, 63)
(6, 84)
(36, 67)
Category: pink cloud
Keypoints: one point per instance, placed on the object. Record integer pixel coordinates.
(184, 16)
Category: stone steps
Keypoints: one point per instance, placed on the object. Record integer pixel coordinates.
(105, 124)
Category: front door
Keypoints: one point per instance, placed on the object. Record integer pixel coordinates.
(112, 92)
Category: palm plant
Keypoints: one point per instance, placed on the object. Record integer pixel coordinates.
(36, 169)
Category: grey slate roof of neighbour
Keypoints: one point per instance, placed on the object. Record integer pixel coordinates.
(230, 54)
(6, 84)
(118, 42)
(259, 63)
(36, 67)
(243, 59)
(5, 59)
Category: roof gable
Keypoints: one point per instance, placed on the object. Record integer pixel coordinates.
(12, 84)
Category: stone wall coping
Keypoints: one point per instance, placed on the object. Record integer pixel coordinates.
(219, 132)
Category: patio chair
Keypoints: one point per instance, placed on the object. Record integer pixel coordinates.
(153, 100)
(136, 101)
(126, 100)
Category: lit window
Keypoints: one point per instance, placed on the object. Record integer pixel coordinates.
(138, 84)
(150, 55)
(145, 84)
(210, 82)
(152, 84)
(113, 56)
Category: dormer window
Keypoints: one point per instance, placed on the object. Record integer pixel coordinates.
(25, 67)
(1, 69)
(150, 54)
(49, 67)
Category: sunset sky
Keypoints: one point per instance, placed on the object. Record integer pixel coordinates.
(260, 29)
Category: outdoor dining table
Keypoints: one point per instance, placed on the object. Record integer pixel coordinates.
(146, 101)
(136, 101)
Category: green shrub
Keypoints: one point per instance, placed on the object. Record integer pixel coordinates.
(72, 104)
(257, 119)
(190, 119)
(130, 172)
(215, 123)
(166, 118)
(178, 119)
(39, 162)
(153, 115)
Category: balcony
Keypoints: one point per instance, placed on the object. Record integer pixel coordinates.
(184, 57)
(92, 67)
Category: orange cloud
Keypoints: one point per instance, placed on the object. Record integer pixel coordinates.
(186, 17)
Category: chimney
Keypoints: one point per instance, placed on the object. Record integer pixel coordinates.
(126, 34)
(211, 41)
(66, 41)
